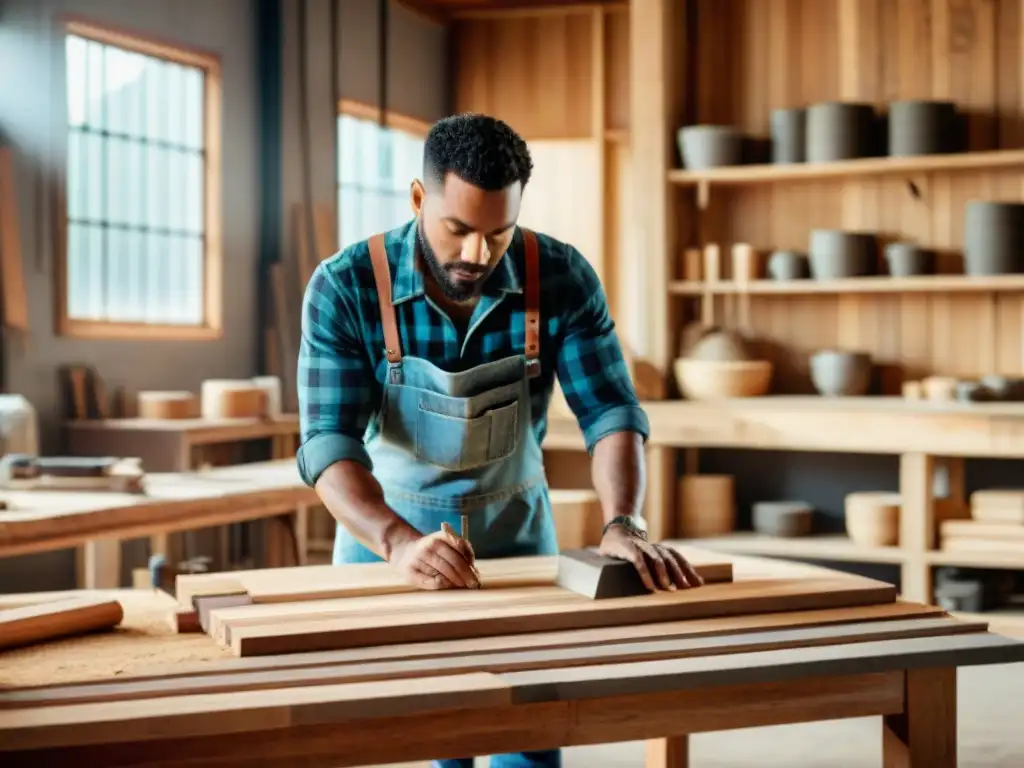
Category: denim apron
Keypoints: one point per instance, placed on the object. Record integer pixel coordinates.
(451, 443)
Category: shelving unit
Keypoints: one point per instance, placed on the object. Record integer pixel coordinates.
(854, 285)
(799, 52)
(849, 169)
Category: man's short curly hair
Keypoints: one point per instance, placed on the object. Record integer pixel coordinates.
(480, 150)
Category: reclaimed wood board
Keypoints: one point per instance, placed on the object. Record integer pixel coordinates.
(56, 619)
(510, 661)
(450, 615)
(320, 582)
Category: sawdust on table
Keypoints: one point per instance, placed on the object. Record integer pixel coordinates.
(143, 639)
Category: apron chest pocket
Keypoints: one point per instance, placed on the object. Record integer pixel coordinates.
(457, 443)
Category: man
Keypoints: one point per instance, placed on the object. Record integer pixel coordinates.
(427, 362)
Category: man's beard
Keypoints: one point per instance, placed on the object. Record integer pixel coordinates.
(455, 291)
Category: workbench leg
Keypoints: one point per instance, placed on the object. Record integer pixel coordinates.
(673, 752)
(924, 735)
(98, 563)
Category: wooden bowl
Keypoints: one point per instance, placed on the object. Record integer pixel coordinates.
(716, 379)
(873, 518)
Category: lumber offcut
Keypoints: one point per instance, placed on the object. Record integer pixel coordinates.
(61, 618)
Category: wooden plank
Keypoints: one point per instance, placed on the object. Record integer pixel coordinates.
(593, 638)
(192, 716)
(55, 619)
(458, 664)
(321, 582)
(347, 626)
(768, 666)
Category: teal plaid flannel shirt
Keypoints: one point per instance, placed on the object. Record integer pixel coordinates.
(341, 363)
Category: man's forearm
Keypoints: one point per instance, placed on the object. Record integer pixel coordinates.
(355, 499)
(618, 473)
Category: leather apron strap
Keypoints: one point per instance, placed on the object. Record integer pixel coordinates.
(382, 276)
(392, 341)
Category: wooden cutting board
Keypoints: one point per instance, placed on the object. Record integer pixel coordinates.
(450, 615)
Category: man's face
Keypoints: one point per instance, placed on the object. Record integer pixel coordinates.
(464, 231)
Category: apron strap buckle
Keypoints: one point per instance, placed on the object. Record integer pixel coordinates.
(532, 368)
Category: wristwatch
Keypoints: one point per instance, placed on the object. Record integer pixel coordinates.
(627, 522)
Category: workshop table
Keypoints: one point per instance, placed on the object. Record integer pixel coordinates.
(40, 521)
(739, 680)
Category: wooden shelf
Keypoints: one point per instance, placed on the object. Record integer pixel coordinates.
(1003, 621)
(881, 284)
(994, 560)
(870, 166)
(821, 547)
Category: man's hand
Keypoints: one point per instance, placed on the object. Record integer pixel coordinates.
(671, 571)
(441, 560)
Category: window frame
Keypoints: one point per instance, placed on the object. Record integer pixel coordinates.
(212, 325)
(392, 120)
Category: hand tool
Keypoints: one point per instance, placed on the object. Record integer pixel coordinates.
(465, 535)
(597, 576)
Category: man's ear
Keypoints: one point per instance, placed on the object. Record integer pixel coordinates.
(417, 194)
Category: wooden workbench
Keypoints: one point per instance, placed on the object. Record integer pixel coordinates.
(177, 445)
(783, 668)
(925, 436)
(43, 521)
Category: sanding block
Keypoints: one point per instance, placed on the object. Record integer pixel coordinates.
(598, 576)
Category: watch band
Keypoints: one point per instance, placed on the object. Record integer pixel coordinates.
(629, 524)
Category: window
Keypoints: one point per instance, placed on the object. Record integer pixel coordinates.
(375, 167)
(141, 253)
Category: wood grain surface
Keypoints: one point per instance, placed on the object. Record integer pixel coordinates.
(387, 619)
(321, 582)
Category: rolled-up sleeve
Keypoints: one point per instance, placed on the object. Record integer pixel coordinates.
(335, 382)
(591, 368)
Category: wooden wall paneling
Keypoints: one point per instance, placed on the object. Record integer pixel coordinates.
(616, 53)
(534, 72)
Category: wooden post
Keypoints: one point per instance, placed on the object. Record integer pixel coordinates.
(917, 525)
(673, 752)
(655, 45)
(924, 735)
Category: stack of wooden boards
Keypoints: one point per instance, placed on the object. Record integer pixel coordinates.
(996, 526)
(322, 608)
(511, 647)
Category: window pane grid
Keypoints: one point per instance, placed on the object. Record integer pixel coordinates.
(375, 167)
(135, 187)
